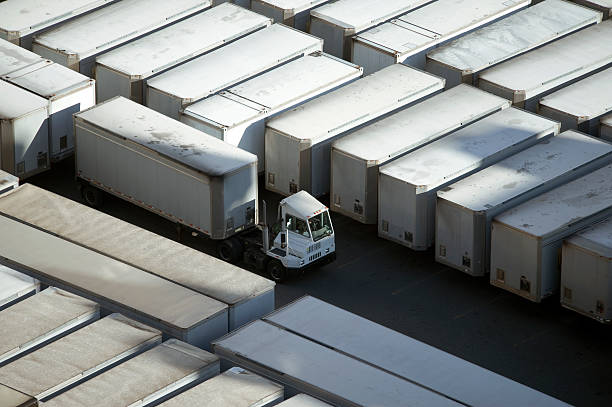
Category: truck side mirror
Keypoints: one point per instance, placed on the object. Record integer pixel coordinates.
(283, 238)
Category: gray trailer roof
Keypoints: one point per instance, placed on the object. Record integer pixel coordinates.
(303, 400)
(7, 181)
(519, 173)
(77, 355)
(16, 102)
(597, 238)
(166, 136)
(556, 63)
(515, 34)
(23, 17)
(226, 66)
(563, 205)
(14, 284)
(304, 364)
(13, 398)
(37, 317)
(424, 121)
(292, 7)
(50, 80)
(362, 14)
(327, 115)
(585, 99)
(115, 24)
(169, 46)
(13, 57)
(120, 284)
(128, 243)
(138, 379)
(234, 388)
(436, 163)
(403, 356)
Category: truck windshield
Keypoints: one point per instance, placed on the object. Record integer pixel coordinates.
(320, 226)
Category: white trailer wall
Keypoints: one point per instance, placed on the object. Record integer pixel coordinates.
(76, 44)
(247, 295)
(171, 91)
(20, 20)
(42, 318)
(167, 167)
(581, 105)
(526, 241)
(24, 132)
(317, 370)
(234, 388)
(68, 92)
(122, 71)
(355, 159)
(408, 38)
(298, 142)
(464, 210)
(177, 311)
(605, 6)
(403, 356)
(605, 130)
(15, 286)
(586, 272)
(75, 357)
(148, 378)
(527, 78)
(7, 182)
(338, 21)
(407, 187)
(238, 115)
(294, 13)
(463, 59)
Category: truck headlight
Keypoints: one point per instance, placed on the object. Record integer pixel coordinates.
(301, 262)
(327, 250)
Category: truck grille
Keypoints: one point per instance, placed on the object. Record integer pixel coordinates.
(314, 247)
(314, 256)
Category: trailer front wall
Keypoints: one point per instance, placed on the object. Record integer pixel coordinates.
(284, 164)
(111, 83)
(349, 179)
(605, 129)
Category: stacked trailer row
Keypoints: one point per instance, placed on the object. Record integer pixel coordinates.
(76, 44)
(408, 38)
(265, 49)
(462, 60)
(238, 116)
(123, 71)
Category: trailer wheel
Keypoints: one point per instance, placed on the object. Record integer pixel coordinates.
(92, 196)
(277, 271)
(230, 250)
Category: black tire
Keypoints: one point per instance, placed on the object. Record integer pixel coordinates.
(277, 271)
(230, 250)
(92, 196)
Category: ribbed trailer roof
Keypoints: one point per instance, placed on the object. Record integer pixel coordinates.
(275, 89)
(53, 367)
(16, 102)
(169, 46)
(37, 317)
(166, 136)
(417, 124)
(234, 388)
(115, 24)
(50, 80)
(435, 164)
(228, 65)
(325, 116)
(523, 171)
(513, 35)
(585, 99)
(554, 64)
(133, 245)
(22, 17)
(362, 14)
(597, 238)
(563, 205)
(170, 364)
(13, 57)
(403, 356)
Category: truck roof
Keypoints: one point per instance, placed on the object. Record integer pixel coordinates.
(166, 136)
(303, 203)
(330, 114)
(157, 51)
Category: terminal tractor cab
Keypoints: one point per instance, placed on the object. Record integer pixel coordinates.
(301, 238)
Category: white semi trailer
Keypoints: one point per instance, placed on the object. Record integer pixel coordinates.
(197, 181)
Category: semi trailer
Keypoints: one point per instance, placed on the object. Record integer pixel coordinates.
(199, 182)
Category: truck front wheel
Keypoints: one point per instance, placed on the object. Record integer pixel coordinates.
(277, 271)
(92, 196)
(230, 250)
